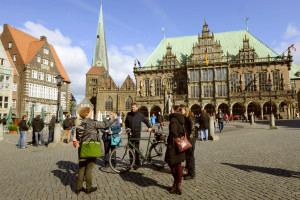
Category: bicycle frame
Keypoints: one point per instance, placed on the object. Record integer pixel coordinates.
(140, 153)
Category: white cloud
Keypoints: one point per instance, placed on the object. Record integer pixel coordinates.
(121, 59)
(290, 36)
(1, 29)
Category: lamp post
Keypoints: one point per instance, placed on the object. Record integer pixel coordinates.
(59, 83)
(272, 119)
(57, 128)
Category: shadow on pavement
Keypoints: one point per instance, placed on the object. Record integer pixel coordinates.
(67, 173)
(286, 123)
(266, 170)
(140, 180)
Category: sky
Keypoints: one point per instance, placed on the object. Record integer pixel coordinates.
(133, 28)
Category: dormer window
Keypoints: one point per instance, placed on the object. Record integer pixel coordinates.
(45, 61)
(39, 59)
(46, 51)
(15, 58)
(10, 45)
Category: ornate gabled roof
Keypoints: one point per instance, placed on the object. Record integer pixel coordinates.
(231, 42)
(28, 46)
(128, 84)
(109, 84)
(95, 71)
(100, 52)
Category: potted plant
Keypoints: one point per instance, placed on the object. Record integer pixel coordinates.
(12, 129)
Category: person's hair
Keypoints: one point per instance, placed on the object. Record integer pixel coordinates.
(134, 104)
(83, 113)
(204, 111)
(176, 108)
(188, 113)
(68, 116)
(23, 117)
(38, 116)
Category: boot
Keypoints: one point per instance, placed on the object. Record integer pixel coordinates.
(173, 189)
(178, 189)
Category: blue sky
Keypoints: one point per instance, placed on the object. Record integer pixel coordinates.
(134, 27)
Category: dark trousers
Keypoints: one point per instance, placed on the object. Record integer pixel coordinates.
(108, 148)
(136, 143)
(85, 170)
(190, 159)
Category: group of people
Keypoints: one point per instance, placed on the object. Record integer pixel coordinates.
(159, 120)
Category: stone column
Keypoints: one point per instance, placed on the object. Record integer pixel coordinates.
(211, 130)
(272, 122)
(230, 110)
(262, 112)
(252, 119)
(57, 136)
(1, 131)
(289, 112)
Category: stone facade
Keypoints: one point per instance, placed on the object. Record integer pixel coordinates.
(6, 82)
(212, 79)
(37, 65)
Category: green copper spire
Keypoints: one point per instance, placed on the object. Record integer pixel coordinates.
(100, 52)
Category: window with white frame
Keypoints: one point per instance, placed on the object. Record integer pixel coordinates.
(46, 51)
(43, 92)
(2, 61)
(34, 74)
(38, 91)
(39, 59)
(53, 109)
(51, 64)
(4, 81)
(14, 103)
(15, 86)
(15, 58)
(48, 77)
(41, 76)
(45, 61)
(10, 45)
(53, 79)
(46, 92)
(3, 102)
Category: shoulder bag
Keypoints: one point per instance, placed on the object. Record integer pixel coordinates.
(182, 142)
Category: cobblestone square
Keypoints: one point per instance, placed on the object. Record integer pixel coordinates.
(248, 162)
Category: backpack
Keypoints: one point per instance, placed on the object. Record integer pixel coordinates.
(67, 123)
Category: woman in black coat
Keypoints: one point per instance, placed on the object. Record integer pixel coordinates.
(189, 153)
(204, 124)
(173, 156)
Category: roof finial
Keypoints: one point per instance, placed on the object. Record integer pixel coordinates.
(247, 23)
(204, 21)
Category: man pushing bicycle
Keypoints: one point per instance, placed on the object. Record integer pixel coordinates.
(134, 121)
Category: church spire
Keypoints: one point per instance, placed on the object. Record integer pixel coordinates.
(100, 52)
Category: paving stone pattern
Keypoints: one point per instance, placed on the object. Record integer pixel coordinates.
(248, 162)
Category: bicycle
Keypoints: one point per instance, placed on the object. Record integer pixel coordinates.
(122, 158)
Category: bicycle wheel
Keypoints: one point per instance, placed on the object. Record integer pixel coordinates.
(157, 154)
(121, 159)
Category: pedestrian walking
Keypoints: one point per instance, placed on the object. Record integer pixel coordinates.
(173, 157)
(90, 133)
(73, 128)
(37, 126)
(23, 128)
(51, 129)
(231, 118)
(67, 125)
(204, 125)
(220, 118)
(153, 120)
(107, 137)
(215, 121)
(227, 118)
(189, 153)
(160, 121)
(134, 121)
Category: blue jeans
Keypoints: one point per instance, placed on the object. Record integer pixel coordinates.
(72, 133)
(206, 134)
(221, 125)
(37, 134)
(51, 133)
(160, 127)
(153, 125)
(216, 125)
(22, 139)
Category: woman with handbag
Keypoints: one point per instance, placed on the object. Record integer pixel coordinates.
(108, 139)
(189, 153)
(87, 132)
(173, 156)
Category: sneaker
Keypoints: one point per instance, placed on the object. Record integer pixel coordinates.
(93, 189)
(23, 147)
